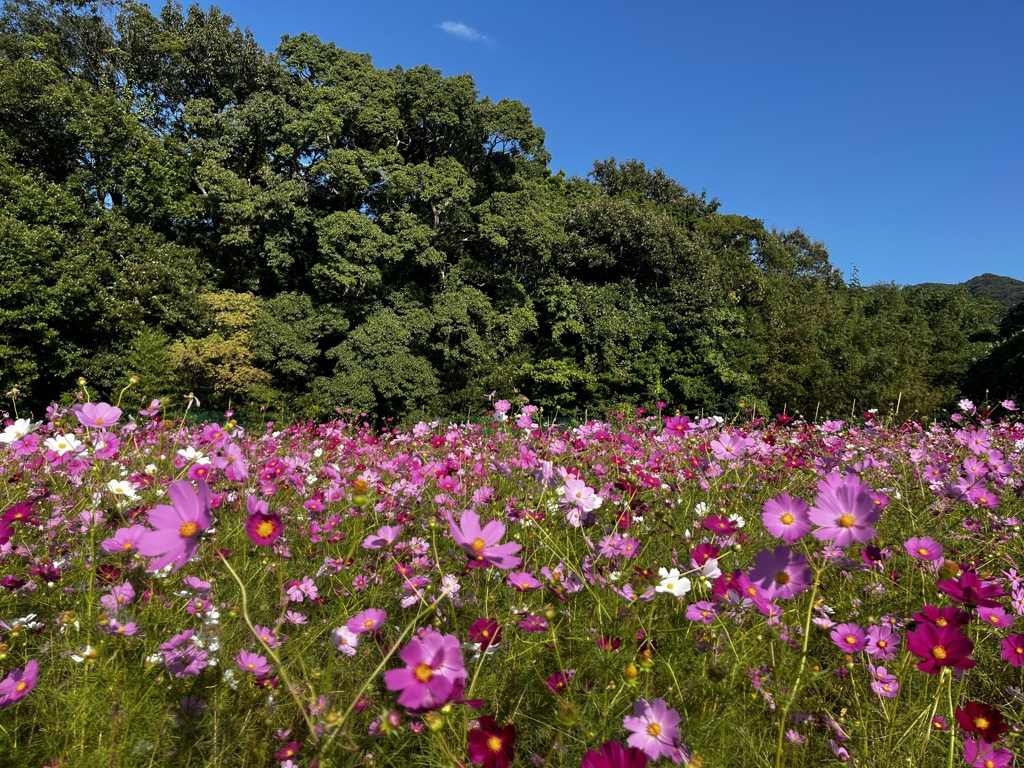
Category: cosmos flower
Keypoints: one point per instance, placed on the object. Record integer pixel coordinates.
(982, 719)
(655, 728)
(252, 662)
(491, 746)
(781, 573)
(923, 548)
(1013, 649)
(481, 544)
(940, 647)
(98, 415)
(850, 638)
(434, 665)
(178, 526)
(369, 620)
(18, 684)
(262, 526)
(971, 590)
(612, 755)
(785, 517)
(844, 514)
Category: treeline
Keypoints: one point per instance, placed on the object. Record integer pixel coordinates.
(303, 230)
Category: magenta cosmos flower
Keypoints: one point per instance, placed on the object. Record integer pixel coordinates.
(978, 754)
(971, 590)
(850, 637)
(177, 526)
(19, 684)
(785, 517)
(655, 728)
(940, 647)
(434, 666)
(98, 415)
(1013, 649)
(481, 544)
(781, 573)
(612, 755)
(262, 526)
(844, 514)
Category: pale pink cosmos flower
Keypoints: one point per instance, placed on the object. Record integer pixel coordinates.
(345, 640)
(481, 544)
(655, 729)
(98, 415)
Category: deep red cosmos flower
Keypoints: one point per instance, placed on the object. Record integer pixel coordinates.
(940, 647)
(982, 719)
(486, 632)
(491, 746)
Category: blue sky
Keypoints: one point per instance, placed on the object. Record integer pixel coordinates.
(892, 131)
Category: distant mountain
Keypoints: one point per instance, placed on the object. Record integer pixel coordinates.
(1007, 291)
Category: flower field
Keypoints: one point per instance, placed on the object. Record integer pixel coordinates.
(646, 590)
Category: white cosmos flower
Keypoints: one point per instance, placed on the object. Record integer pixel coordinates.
(672, 582)
(62, 444)
(18, 430)
(122, 488)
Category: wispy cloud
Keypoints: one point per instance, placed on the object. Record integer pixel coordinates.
(464, 31)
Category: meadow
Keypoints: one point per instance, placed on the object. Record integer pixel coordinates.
(650, 589)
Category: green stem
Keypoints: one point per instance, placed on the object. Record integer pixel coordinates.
(784, 718)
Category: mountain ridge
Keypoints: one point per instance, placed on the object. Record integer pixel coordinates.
(1008, 291)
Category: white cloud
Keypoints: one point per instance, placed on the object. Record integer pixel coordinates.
(466, 32)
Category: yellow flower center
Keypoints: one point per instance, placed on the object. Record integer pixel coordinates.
(850, 640)
(485, 634)
(922, 551)
(654, 729)
(752, 591)
(266, 529)
(994, 619)
(21, 686)
(846, 521)
(882, 644)
(989, 764)
(941, 622)
(188, 529)
(938, 652)
(494, 744)
(423, 673)
(981, 723)
(127, 545)
(782, 578)
(368, 623)
(787, 519)
(99, 422)
(250, 665)
(478, 545)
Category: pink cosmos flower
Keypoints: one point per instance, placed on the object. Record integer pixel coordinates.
(178, 526)
(125, 539)
(845, 513)
(522, 581)
(434, 667)
(18, 684)
(785, 517)
(882, 642)
(655, 729)
(383, 538)
(924, 548)
(979, 754)
(995, 617)
(481, 544)
(367, 621)
(849, 637)
(252, 662)
(703, 612)
(98, 415)
(612, 755)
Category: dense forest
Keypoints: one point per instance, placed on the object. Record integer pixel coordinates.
(302, 230)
